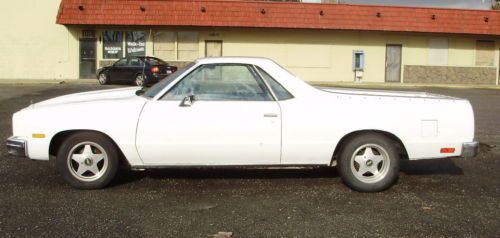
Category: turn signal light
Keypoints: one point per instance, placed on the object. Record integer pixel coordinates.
(155, 70)
(447, 150)
(38, 136)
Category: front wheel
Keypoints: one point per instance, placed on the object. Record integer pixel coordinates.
(87, 160)
(369, 163)
(103, 78)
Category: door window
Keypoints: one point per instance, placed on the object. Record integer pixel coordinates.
(120, 63)
(231, 82)
(135, 62)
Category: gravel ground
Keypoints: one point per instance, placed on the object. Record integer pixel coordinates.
(437, 198)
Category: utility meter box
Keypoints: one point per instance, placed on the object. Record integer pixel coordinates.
(358, 64)
(358, 60)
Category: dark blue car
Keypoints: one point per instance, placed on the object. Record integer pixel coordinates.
(141, 71)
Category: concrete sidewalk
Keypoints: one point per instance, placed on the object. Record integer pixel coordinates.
(48, 81)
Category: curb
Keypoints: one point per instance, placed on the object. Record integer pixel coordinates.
(49, 81)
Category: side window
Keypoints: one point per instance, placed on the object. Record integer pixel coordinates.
(135, 62)
(280, 92)
(122, 62)
(230, 82)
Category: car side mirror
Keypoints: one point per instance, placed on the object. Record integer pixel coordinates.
(187, 101)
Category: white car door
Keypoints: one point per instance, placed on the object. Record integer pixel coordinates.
(219, 114)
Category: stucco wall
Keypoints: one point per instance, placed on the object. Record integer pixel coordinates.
(32, 46)
(326, 56)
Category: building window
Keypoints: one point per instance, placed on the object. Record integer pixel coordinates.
(176, 46)
(136, 43)
(485, 53)
(358, 60)
(438, 51)
(164, 45)
(112, 44)
(187, 46)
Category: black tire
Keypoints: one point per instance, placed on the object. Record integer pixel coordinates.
(369, 148)
(103, 78)
(78, 143)
(140, 80)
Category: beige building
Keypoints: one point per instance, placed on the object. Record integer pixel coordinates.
(70, 39)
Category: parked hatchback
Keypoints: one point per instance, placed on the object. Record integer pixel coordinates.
(138, 70)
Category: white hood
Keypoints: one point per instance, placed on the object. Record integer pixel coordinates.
(92, 96)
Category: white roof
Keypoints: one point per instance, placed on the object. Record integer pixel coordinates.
(232, 59)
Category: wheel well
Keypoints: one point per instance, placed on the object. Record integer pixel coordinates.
(59, 138)
(397, 142)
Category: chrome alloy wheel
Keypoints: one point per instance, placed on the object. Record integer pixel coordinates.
(102, 78)
(87, 161)
(139, 80)
(370, 163)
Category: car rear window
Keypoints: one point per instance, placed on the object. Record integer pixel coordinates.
(155, 61)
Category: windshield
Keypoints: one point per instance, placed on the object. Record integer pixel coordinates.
(151, 92)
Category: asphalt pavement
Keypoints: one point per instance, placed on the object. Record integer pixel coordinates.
(433, 198)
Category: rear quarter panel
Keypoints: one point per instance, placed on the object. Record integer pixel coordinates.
(312, 128)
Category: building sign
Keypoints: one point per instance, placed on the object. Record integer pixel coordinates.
(112, 44)
(136, 43)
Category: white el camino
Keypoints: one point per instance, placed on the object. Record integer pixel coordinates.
(239, 111)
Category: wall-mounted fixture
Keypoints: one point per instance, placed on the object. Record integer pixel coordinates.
(263, 11)
(203, 9)
(358, 64)
(143, 8)
(486, 19)
(433, 17)
(379, 14)
(321, 13)
(81, 7)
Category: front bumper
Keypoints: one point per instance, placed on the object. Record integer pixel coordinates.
(17, 146)
(470, 149)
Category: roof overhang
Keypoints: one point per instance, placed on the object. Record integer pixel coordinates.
(223, 13)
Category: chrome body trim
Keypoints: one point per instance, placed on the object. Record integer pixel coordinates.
(470, 149)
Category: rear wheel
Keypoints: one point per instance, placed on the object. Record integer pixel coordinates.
(369, 163)
(87, 160)
(140, 80)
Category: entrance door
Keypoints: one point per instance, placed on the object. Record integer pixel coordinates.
(87, 58)
(393, 63)
(213, 48)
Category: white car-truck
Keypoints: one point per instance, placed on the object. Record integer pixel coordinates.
(241, 111)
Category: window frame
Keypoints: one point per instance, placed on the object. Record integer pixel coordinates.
(122, 48)
(257, 68)
(126, 41)
(250, 67)
(490, 63)
(121, 59)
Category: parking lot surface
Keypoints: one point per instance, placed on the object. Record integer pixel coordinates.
(438, 198)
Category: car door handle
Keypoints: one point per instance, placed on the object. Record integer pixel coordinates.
(270, 115)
